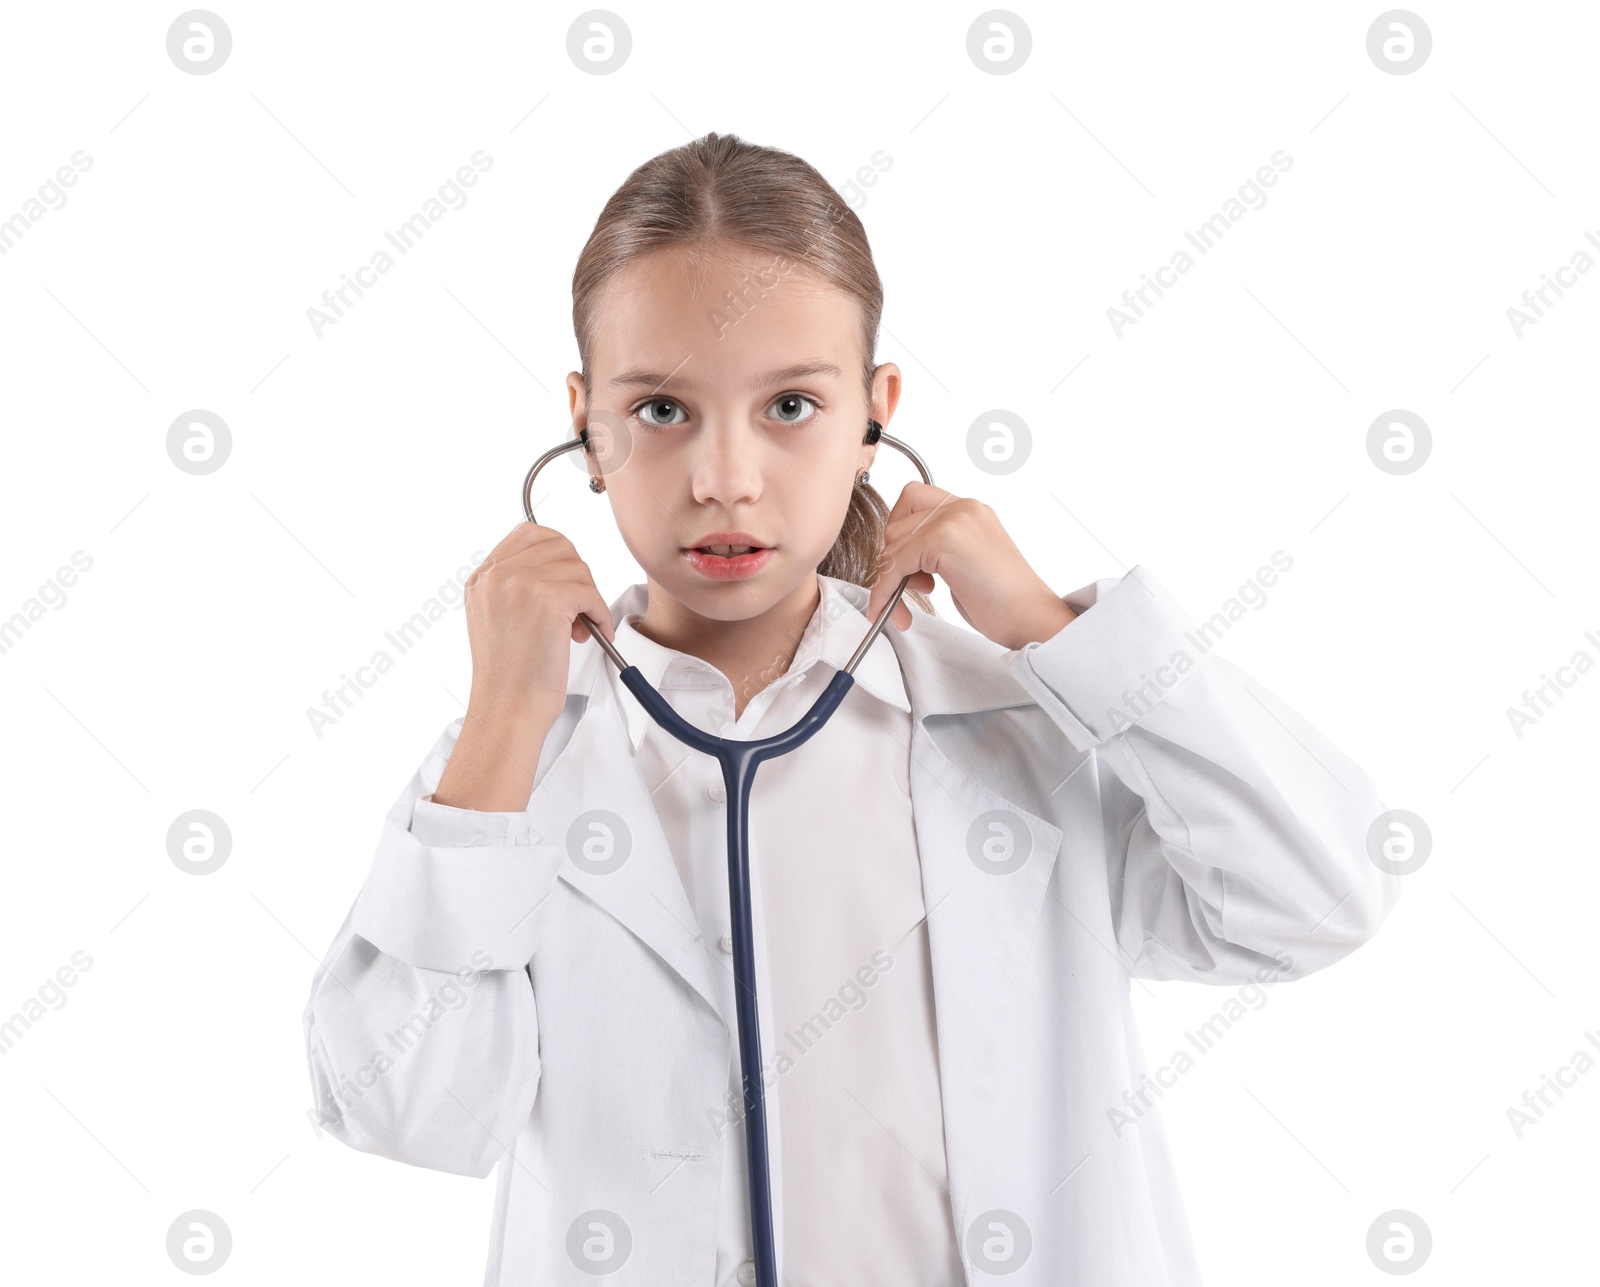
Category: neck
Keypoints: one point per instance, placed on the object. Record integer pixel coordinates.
(751, 651)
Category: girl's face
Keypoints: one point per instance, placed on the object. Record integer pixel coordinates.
(728, 392)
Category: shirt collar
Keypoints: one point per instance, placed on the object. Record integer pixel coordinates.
(835, 630)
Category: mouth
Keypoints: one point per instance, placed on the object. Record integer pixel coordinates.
(727, 562)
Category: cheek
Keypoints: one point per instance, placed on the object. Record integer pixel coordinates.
(825, 505)
(642, 509)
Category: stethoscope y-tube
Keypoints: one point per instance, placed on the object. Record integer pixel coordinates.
(739, 760)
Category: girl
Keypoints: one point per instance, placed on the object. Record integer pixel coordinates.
(953, 881)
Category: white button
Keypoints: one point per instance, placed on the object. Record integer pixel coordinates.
(717, 791)
(726, 943)
(747, 1273)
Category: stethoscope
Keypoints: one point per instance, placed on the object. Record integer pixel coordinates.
(739, 760)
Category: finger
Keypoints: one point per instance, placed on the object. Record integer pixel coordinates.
(602, 620)
(891, 572)
(523, 536)
(904, 554)
(920, 514)
(900, 618)
(912, 497)
(918, 496)
(879, 591)
(889, 577)
(903, 615)
(601, 614)
(580, 632)
(590, 603)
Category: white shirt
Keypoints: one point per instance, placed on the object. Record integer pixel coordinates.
(855, 1129)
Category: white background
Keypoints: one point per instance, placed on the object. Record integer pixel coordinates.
(370, 463)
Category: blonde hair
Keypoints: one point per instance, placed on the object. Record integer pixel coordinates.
(720, 188)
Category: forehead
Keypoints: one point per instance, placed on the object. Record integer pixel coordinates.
(723, 313)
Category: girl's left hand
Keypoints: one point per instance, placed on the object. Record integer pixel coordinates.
(933, 531)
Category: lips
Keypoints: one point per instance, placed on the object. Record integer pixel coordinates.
(717, 567)
(720, 541)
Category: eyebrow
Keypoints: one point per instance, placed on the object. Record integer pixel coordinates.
(655, 379)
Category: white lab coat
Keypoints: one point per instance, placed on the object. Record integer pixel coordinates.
(1210, 836)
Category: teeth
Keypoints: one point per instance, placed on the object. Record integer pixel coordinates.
(726, 550)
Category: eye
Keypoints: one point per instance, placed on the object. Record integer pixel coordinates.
(786, 403)
(646, 412)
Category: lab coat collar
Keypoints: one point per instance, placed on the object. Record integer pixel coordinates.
(836, 628)
(945, 669)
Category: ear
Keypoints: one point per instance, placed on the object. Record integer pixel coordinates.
(578, 403)
(885, 398)
(577, 398)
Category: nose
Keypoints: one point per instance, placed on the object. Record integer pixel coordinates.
(726, 468)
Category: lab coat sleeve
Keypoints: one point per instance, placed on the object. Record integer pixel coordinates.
(1236, 832)
(422, 1028)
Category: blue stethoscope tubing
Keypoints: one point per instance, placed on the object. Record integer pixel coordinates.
(739, 761)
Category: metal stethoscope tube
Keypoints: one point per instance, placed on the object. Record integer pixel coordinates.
(739, 760)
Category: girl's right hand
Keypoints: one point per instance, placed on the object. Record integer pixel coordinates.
(522, 606)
